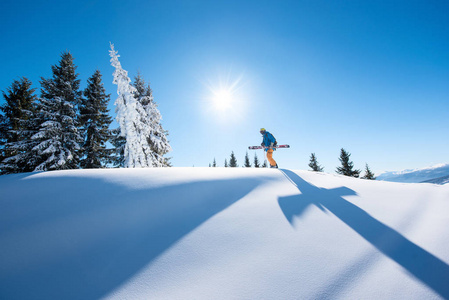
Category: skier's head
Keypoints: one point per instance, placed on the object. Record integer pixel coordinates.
(262, 130)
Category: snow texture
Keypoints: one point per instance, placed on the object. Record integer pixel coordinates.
(136, 124)
(220, 233)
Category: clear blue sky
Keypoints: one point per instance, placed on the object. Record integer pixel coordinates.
(369, 76)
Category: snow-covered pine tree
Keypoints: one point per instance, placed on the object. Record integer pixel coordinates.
(58, 139)
(247, 162)
(265, 164)
(256, 161)
(347, 165)
(133, 120)
(226, 163)
(313, 164)
(16, 128)
(368, 174)
(95, 120)
(158, 139)
(233, 161)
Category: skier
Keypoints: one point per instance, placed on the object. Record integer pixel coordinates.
(268, 143)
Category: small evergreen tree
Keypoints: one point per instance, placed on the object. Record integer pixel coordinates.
(58, 139)
(94, 116)
(256, 161)
(347, 165)
(214, 164)
(314, 164)
(247, 162)
(233, 161)
(16, 127)
(368, 174)
(265, 164)
(226, 163)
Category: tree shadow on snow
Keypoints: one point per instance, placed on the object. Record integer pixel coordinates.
(424, 266)
(86, 237)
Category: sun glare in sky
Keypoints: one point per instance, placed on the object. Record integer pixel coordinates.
(223, 98)
(226, 94)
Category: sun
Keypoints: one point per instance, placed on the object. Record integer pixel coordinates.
(223, 98)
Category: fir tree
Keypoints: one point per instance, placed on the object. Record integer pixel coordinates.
(94, 116)
(226, 163)
(214, 164)
(314, 164)
(233, 161)
(58, 139)
(157, 140)
(117, 154)
(256, 161)
(136, 125)
(16, 127)
(347, 165)
(247, 162)
(265, 164)
(368, 174)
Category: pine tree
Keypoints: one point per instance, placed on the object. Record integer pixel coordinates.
(368, 174)
(314, 164)
(214, 164)
(58, 139)
(158, 138)
(256, 161)
(94, 116)
(265, 164)
(247, 162)
(226, 163)
(347, 165)
(233, 161)
(117, 154)
(134, 123)
(16, 128)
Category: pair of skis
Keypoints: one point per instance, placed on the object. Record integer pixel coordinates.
(262, 147)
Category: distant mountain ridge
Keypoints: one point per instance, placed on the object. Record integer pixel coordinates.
(438, 174)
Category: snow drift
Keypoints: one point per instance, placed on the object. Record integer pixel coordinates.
(220, 233)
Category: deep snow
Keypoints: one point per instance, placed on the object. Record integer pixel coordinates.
(220, 233)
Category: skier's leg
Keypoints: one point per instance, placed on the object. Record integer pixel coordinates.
(270, 158)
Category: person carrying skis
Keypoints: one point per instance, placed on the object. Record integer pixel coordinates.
(269, 142)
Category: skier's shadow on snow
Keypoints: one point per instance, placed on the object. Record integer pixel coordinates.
(421, 264)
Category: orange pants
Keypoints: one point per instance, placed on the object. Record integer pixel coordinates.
(270, 158)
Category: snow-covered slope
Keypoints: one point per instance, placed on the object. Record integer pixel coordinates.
(439, 180)
(417, 175)
(220, 233)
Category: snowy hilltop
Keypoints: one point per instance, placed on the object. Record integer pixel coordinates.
(438, 174)
(220, 233)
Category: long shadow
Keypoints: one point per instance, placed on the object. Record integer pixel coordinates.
(424, 266)
(86, 237)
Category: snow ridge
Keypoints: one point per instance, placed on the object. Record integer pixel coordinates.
(220, 233)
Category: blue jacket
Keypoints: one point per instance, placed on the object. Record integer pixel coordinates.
(268, 138)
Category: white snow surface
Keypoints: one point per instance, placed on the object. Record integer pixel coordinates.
(220, 233)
